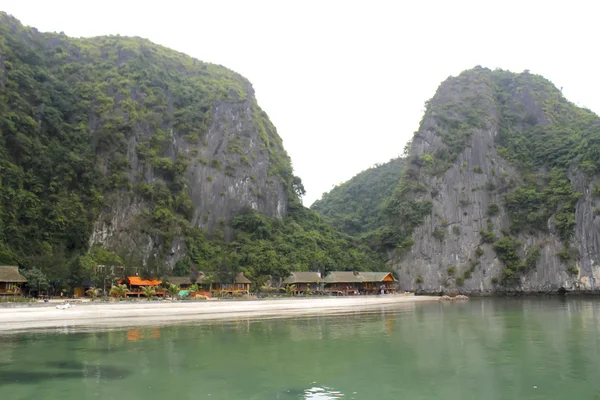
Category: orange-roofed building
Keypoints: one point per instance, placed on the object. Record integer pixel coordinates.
(135, 283)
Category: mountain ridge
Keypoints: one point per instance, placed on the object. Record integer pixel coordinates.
(500, 190)
(117, 150)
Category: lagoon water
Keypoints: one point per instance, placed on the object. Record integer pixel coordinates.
(480, 349)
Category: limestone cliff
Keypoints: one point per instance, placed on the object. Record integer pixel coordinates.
(500, 191)
(117, 151)
(142, 142)
(238, 175)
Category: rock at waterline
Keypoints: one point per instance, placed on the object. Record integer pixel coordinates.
(448, 298)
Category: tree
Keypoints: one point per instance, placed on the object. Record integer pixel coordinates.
(290, 290)
(101, 256)
(119, 291)
(194, 274)
(93, 292)
(154, 267)
(173, 290)
(148, 291)
(298, 186)
(407, 147)
(209, 280)
(227, 268)
(194, 288)
(36, 280)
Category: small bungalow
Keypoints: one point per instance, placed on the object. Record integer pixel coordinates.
(304, 281)
(241, 285)
(81, 288)
(10, 280)
(358, 282)
(135, 283)
(374, 282)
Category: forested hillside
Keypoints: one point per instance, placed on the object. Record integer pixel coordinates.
(114, 150)
(356, 206)
(500, 191)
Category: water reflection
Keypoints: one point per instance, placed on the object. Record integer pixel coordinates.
(30, 377)
(314, 392)
(65, 364)
(134, 335)
(497, 348)
(324, 393)
(62, 370)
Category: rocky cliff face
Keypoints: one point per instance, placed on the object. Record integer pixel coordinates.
(117, 151)
(238, 175)
(509, 195)
(120, 143)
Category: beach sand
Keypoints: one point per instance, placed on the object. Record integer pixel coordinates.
(125, 314)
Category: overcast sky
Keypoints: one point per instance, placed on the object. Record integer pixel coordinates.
(345, 82)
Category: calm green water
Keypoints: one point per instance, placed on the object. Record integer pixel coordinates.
(482, 349)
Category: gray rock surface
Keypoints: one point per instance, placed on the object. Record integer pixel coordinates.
(461, 197)
(229, 170)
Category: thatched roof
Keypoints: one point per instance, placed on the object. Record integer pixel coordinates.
(303, 277)
(241, 278)
(343, 277)
(358, 277)
(185, 280)
(377, 276)
(178, 280)
(11, 275)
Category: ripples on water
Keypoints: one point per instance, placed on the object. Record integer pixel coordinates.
(316, 393)
(324, 393)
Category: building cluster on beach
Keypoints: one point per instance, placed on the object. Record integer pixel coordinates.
(297, 283)
(342, 282)
(205, 285)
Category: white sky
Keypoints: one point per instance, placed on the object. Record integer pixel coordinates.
(345, 82)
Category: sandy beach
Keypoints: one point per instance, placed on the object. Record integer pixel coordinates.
(124, 314)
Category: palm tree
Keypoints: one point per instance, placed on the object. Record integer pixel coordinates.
(194, 288)
(290, 289)
(173, 290)
(119, 291)
(148, 291)
(209, 279)
(93, 292)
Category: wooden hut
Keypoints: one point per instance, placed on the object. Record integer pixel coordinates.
(240, 285)
(11, 280)
(304, 281)
(358, 282)
(374, 282)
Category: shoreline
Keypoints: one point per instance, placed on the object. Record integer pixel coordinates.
(120, 315)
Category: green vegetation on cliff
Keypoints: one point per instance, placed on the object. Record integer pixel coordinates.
(79, 118)
(269, 247)
(355, 206)
(69, 109)
(548, 139)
